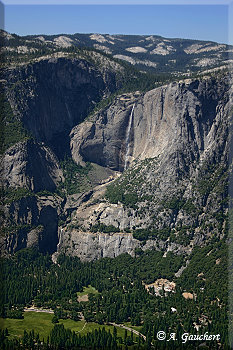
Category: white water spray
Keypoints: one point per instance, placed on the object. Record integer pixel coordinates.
(127, 138)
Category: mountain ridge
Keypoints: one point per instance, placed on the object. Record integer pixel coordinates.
(146, 52)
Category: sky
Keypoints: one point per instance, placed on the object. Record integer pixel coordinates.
(204, 22)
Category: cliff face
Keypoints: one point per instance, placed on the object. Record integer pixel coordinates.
(32, 221)
(172, 144)
(31, 165)
(45, 97)
(91, 246)
(53, 94)
(165, 151)
(178, 118)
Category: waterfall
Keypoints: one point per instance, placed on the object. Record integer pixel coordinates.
(68, 112)
(127, 137)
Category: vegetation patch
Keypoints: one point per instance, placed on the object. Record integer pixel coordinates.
(88, 290)
(212, 178)
(130, 188)
(76, 177)
(173, 203)
(190, 207)
(40, 322)
(115, 194)
(104, 228)
(145, 234)
(11, 128)
(11, 194)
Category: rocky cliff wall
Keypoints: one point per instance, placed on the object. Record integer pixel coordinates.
(182, 118)
(91, 246)
(30, 165)
(31, 221)
(53, 94)
(175, 186)
(47, 96)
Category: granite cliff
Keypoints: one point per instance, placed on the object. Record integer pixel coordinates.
(52, 94)
(96, 174)
(164, 121)
(41, 100)
(173, 186)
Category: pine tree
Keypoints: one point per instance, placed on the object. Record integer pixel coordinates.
(125, 337)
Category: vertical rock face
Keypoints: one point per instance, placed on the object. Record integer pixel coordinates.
(179, 114)
(103, 140)
(47, 98)
(91, 246)
(32, 222)
(32, 166)
(53, 95)
(181, 118)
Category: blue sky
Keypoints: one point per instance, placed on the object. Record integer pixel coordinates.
(206, 22)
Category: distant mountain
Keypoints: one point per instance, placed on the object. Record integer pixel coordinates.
(151, 53)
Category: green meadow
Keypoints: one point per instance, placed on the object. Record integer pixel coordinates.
(41, 323)
(88, 290)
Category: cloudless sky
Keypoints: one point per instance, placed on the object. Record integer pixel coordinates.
(206, 22)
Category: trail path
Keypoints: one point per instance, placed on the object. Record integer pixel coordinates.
(82, 328)
(48, 311)
(128, 329)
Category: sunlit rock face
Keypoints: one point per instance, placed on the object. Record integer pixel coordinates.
(178, 121)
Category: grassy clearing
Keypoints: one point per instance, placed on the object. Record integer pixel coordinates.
(77, 326)
(136, 328)
(88, 290)
(41, 322)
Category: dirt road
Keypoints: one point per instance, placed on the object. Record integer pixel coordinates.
(128, 329)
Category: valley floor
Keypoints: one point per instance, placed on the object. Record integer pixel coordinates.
(41, 323)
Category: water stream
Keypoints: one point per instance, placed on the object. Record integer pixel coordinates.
(127, 138)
